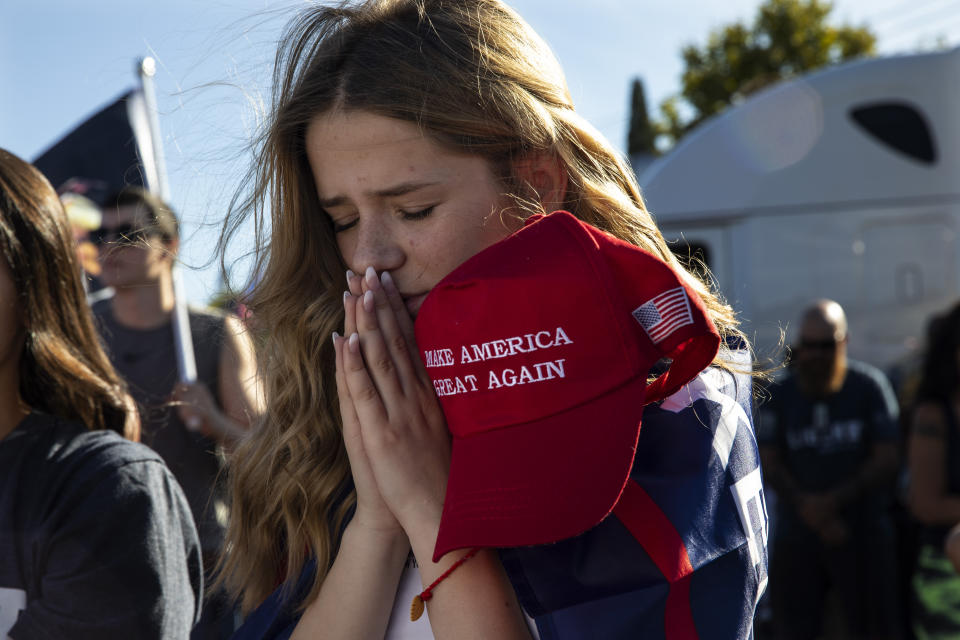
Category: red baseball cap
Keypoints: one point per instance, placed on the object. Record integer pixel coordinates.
(540, 348)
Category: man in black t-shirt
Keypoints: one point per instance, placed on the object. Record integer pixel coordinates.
(828, 444)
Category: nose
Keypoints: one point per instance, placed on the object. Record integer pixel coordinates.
(374, 245)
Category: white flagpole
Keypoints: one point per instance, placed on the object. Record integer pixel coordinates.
(183, 339)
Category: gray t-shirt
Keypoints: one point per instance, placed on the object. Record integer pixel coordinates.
(147, 361)
(96, 538)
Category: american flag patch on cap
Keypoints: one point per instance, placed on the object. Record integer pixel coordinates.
(664, 314)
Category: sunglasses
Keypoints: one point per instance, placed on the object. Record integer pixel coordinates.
(818, 345)
(124, 234)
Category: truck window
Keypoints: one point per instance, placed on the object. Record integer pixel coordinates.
(899, 126)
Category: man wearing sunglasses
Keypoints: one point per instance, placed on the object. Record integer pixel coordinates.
(187, 424)
(828, 445)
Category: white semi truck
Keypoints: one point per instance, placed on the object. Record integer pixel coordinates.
(842, 184)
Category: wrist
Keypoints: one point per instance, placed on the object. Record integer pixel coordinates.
(391, 540)
(423, 540)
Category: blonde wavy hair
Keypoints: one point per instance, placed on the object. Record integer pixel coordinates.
(475, 78)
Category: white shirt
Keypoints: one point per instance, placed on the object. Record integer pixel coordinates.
(400, 626)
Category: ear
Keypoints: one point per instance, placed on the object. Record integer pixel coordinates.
(545, 175)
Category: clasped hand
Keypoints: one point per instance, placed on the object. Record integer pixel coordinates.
(820, 512)
(393, 427)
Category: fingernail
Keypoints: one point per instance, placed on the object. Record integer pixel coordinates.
(350, 276)
(368, 301)
(354, 342)
(346, 294)
(372, 281)
(335, 336)
(387, 280)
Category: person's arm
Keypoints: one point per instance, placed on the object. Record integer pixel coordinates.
(815, 510)
(122, 560)
(769, 442)
(240, 390)
(928, 499)
(357, 595)
(880, 469)
(476, 600)
(356, 598)
(406, 440)
(776, 475)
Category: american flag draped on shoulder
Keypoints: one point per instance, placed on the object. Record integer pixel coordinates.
(684, 554)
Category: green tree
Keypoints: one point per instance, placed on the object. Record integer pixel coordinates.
(787, 38)
(642, 135)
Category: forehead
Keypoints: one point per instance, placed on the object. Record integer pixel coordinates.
(135, 214)
(817, 328)
(358, 150)
(357, 130)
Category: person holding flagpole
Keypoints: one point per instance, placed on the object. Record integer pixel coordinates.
(188, 424)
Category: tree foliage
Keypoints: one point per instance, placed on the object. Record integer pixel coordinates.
(642, 136)
(787, 38)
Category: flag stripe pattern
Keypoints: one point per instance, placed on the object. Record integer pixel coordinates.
(653, 530)
(685, 555)
(664, 314)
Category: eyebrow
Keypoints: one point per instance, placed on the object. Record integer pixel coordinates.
(390, 192)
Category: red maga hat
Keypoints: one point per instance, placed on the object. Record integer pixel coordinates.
(540, 348)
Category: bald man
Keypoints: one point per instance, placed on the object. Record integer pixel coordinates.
(828, 442)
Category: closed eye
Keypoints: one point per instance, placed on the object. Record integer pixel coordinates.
(343, 226)
(417, 215)
(345, 222)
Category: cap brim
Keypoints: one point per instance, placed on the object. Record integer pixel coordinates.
(542, 481)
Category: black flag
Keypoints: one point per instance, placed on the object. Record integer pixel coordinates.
(108, 151)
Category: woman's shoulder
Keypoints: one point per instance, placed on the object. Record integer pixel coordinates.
(48, 441)
(65, 473)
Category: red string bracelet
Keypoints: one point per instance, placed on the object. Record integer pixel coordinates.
(417, 606)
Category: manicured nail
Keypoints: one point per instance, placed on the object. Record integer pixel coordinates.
(387, 281)
(335, 336)
(368, 301)
(354, 342)
(350, 276)
(371, 276)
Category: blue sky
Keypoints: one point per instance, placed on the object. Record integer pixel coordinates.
(61, 60)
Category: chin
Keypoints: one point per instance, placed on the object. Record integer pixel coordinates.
(822, 380)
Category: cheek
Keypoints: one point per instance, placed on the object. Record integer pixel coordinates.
(457, 249)
(345, 248)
